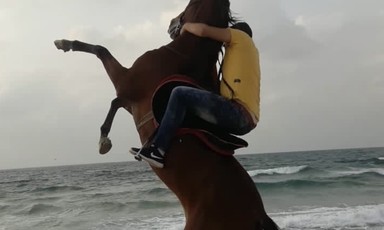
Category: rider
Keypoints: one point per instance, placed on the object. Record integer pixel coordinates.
(235, 111)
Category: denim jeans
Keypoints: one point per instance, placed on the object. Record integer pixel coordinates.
(227, 114)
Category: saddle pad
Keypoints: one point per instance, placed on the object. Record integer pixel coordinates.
(221, 143)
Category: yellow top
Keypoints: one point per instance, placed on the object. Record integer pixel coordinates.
(241, 72)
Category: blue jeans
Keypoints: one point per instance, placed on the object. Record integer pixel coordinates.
(227, 114)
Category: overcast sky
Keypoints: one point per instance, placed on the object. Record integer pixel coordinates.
(322, 75)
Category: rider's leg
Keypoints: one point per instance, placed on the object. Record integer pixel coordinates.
(211, 107)
(226, 114)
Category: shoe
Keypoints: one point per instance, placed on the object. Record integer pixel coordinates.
(135, 152)
(153, 155)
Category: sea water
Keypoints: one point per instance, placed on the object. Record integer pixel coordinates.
(330, 189)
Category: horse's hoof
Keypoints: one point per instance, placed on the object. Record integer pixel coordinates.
(105, 145)
(64, 45)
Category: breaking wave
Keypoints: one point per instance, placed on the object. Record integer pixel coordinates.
(356, 172)
(280, 170)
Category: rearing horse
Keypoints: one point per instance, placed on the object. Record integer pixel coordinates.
(215, 191)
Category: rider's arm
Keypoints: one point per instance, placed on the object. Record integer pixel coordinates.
(204, 30)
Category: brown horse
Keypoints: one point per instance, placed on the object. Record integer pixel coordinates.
(215, 191)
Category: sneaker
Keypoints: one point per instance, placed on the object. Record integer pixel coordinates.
(135, 152)
(153, 155)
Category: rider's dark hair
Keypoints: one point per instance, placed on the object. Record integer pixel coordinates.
(226, 7)
(243, 26)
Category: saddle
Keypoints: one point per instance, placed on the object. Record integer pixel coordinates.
(211, 135)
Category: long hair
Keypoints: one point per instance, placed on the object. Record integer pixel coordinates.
(226, 8)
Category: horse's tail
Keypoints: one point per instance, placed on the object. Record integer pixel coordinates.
(269, 224)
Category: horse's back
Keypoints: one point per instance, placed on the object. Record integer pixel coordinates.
(215, 191)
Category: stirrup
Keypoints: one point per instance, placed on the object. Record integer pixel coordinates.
(135, 152)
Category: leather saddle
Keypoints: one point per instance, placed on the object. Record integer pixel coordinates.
(211, 135)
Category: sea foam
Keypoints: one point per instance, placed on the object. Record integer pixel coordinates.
(280, 170)
(359, 171)
(361, 217)
(176, 222)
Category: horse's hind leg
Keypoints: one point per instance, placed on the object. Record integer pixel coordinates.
(114, 69)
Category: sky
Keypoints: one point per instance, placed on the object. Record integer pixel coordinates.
(322, 65)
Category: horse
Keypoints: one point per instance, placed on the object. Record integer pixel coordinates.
(215, 191)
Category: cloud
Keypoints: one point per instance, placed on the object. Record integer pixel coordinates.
(47, 96)
(42, 122)
(321, 78)
(322, 65)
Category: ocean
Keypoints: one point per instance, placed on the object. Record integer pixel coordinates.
(329, 189)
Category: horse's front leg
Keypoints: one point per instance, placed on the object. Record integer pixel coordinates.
(105, 143)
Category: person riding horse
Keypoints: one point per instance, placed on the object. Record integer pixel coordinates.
(235, 111)
(219, 193)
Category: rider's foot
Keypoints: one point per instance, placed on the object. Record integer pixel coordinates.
(153, 155)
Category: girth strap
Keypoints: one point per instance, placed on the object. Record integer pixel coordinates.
(144, 120)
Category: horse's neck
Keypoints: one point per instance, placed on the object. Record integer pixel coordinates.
(190, 45)
(200, 56)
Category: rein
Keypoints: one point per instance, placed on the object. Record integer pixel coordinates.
(176, 51)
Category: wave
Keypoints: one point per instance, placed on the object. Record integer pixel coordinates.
(107, 206)
(3, 194)
(158, 191)
(362, 171)
(299, 184)
(40, 208)
(280, 170)
(3, 208)
(358, 217)
(378, 161)
(373, 160)
(340, 178)
(16, 181)
(58, 189)
(122, 206)
(174, 222)
(146, 204)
